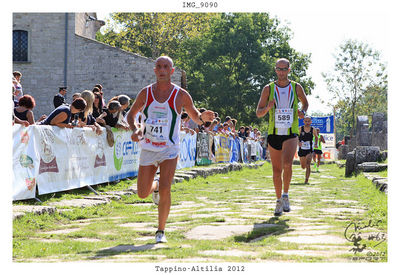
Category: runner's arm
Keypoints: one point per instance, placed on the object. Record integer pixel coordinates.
(136, 107)
(191, 110)
(316, 138)
(303, 99)
(262, 107)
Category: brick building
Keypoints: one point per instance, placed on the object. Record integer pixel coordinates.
(59, 49)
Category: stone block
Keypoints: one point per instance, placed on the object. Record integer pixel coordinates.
(371, 167)
(367, 154)
(362, 131)
(343, 150)
(350, 164)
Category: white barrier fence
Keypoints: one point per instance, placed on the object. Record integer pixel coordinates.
(51, 159)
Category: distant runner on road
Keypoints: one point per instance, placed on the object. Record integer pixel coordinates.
(280, 99)
(307, 133)
(318, 150)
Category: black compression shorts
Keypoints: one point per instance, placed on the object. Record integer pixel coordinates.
(276, 141)
(318, 152)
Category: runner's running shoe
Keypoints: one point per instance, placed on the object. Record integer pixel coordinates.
(278, 208)
(285, 203)
(156, 195)
(160, 237)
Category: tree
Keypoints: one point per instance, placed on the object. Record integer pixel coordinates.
(358, 75)
(154, 34)
(228, 65)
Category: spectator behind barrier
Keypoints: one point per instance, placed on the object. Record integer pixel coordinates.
(99, 88)
(112, 116)
(61, 116)
(184, 122)
(86, 117)
(98, 107)
(124, 101)
(241, 133)
(75, 96)
(17, 85)
(24, 110)
(59, 99)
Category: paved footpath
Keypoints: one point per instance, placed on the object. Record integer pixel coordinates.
(202, 227)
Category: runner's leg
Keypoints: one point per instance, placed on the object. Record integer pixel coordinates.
(276, 161)
(288, 150)
(167, 172)
(308, 166)
(145, 184)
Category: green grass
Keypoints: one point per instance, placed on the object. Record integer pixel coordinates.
(238, 191)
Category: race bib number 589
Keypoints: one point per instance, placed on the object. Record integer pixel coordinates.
(283, 118)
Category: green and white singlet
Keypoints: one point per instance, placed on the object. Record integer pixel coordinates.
(283, 117)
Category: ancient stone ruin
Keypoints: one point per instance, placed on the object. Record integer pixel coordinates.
(369, 146)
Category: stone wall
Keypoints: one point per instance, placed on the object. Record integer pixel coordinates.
(118, 71)
(88, 61)
(44, 71)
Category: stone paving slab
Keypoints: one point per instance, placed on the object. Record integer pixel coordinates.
(79, 202)
(21, 210)
(62, 231)
(320, 239)
(313, 253)
(210, 232)
(341, 210)
(231, 253)
(131, 248)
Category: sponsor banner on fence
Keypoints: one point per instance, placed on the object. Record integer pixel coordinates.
(25, 164)
(187, 153)
(203, 149)
(54, 159)
(222, 149)
(62, 159)
(329, 140)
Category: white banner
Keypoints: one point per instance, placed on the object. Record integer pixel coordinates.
(329, 140)
(25, 166)
(187, 154)
(59, 159)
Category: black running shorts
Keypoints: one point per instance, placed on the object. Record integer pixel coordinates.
(318, 152)
(303, 153)
(276, 141)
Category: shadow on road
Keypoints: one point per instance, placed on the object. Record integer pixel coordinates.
(126, 248)
(271, 227)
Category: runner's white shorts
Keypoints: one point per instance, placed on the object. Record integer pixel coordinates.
(155, 158)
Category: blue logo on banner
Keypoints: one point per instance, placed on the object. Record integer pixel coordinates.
(325, 124)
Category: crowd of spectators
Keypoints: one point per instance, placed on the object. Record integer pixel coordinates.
(227, 128)
(88, 109)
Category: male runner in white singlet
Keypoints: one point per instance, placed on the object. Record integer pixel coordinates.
(161, 104)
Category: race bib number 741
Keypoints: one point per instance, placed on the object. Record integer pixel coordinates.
(283, 118)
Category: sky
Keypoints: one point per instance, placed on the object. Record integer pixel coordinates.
(319, 30)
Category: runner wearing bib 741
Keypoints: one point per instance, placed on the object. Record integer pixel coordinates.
(280, 99)
(161, 104)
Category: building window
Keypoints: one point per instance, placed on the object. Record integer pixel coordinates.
(20, 45)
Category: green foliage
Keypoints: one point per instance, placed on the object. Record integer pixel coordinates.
(154, 34)
(228, 57)
(228, 66)
(358, 84)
